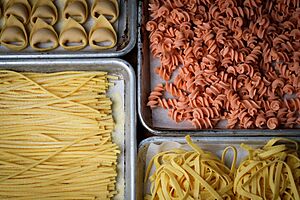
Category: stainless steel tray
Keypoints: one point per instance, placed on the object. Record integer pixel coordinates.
(214, 144)
(144, 89)
(116, 67)
(125, 28)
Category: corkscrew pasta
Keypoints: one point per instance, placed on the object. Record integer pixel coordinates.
(236, 61)
(56, 136)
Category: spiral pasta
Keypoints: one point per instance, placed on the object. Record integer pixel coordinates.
(232, 56)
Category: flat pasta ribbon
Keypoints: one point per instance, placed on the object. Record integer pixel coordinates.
(73, 36)
(13, 34)
(43, 37)
(101, 33)
(76, 9)
(195, 174)
(108, 8)
(19, 8)
(45, 10)
(271, 172)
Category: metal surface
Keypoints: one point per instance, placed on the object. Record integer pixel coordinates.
(116, 67)
(212, 144)
(126, 31)
(144, 89)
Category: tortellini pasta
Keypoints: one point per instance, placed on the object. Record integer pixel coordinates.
(73, 36)
(76, 9)
(45, 10)
(43, 37)
(108, 8)
(102, 34)
(19, 8)
(13, 34)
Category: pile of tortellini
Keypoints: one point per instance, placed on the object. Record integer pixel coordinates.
(33, 22)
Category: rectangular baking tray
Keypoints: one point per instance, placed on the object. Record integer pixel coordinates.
(144, 88)
(213, 144)
(116, 67)
(125, 27)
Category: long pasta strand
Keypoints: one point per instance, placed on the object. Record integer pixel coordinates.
(56, 136)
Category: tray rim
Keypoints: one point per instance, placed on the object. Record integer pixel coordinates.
(195, 132)
(130, 144)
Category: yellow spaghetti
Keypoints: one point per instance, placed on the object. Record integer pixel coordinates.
(270, 172)
(196, 174)
(56, 136)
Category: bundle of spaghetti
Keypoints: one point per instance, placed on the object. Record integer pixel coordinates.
(270, 172)
(194, 174)
(56, 136)
(246, 50)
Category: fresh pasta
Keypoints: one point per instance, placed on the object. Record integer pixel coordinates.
(56, 136)
(45, 10)
(107, 8)
(236, 61)
(76, 9)
(102, 35)
(196, 174)
(43, 37)
(270, 172)
(13, 34)
(73, 36)
(18, 8)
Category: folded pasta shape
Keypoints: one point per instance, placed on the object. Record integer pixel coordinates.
(13, 34)
(42, 34)
(19, 8)
(101, 33)
(76, 9)
(73, 36)
(108, 8)
(45, 10)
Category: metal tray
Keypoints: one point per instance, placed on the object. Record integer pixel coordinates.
(213, 144)
(116, 67)
(144, 88)
(125, 28)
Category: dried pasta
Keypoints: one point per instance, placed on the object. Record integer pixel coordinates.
(73, 36)
(45, 10)
(56, 136)
(43, 37)
(236, 61)
(102, 35)
(13, 34)
(270, 172)
(76, 9)
(196, 174)
(18, 8)
(107, 8)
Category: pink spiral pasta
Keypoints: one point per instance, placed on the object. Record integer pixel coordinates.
(227, 59)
